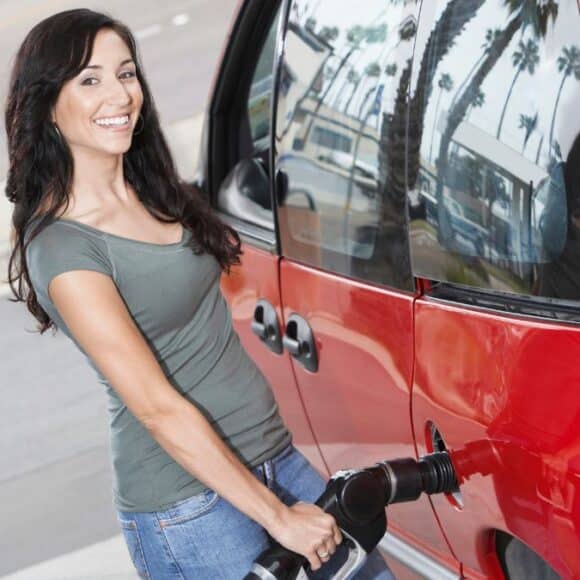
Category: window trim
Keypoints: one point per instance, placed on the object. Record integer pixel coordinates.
(226, 111)
(251, 233)
(517, 306)
(285, 7)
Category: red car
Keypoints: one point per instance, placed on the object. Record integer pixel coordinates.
(405, 177)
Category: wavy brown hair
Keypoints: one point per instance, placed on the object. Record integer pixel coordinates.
(41, 165)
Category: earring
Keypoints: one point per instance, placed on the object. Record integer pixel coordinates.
(135, 131)
(57, 131)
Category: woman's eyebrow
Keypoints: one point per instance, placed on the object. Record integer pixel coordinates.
(126, 61)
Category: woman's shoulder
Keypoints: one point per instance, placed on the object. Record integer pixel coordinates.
(54, 230)
(58, 247)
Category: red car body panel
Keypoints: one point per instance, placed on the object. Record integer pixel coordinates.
(257, 278)
(503, 392)
(358, 401)
(505, 395)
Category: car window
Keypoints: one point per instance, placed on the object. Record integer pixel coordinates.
(261, 92)
(340, 159)
(494, 150)
(245, 192)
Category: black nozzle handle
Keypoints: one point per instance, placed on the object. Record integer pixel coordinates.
(277, 563)
(357, 500)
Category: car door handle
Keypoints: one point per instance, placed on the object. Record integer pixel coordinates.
(299, 341)
(265, 326)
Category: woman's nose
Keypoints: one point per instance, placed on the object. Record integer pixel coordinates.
(118, 93)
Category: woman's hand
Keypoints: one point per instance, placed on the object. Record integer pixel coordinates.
(308, 530)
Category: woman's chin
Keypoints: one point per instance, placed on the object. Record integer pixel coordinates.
(117, 149)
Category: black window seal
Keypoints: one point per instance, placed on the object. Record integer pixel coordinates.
(513, 305)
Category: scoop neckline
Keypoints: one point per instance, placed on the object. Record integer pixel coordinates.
(126, 239)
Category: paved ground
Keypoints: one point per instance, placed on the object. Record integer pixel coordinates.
(55, 483)
(107, 560)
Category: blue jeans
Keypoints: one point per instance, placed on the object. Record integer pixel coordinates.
(204, 537)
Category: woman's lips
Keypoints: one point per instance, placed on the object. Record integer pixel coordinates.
(116, 128)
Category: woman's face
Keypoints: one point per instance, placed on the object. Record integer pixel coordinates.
(97, 110)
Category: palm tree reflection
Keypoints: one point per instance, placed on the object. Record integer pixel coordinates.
(524, 59)
(529, 125)
(568, 65)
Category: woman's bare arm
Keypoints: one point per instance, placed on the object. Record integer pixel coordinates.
(94, 312)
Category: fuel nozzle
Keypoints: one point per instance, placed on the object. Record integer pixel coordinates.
(357, 500)
(407, 478)
(360, 496)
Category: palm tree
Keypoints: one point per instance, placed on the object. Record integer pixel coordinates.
(401, 140)
(539, 150)
(360, 78)
(532, 14)
(391, 69)
(529, 125)
(478, 102)
(310, 24)
(445, 84)
(328, 33)
(524, 59)
(568, 65)
(352, 78)
(355, 37)
(449, 26)
(491, 36)
(363, 120)
(372, 71)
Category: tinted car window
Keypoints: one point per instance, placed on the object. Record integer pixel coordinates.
(261, 92)
(494, 194)
(245, 192)
(340, 142)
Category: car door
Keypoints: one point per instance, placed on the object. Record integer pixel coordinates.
(493, 111)
(234, 171)
(345, 275)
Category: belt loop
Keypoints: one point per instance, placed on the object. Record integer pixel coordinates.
(269, 472)
(262, 469)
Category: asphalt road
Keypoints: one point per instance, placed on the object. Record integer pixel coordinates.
(55, 478)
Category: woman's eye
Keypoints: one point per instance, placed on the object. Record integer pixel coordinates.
(89, 81)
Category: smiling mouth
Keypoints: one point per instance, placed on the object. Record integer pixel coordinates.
(119, 121)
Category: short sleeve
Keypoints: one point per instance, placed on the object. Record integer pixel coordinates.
(61, 248)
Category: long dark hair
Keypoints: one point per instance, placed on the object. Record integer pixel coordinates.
(41, 165)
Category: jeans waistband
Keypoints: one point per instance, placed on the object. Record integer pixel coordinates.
(281, 454)
(267, 469)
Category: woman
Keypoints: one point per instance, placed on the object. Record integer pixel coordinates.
(126, 259)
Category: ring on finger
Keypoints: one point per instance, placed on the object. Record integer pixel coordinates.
(323, 555)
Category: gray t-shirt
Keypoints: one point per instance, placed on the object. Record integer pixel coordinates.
(175, 299)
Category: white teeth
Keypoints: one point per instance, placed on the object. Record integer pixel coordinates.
(108, 121)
